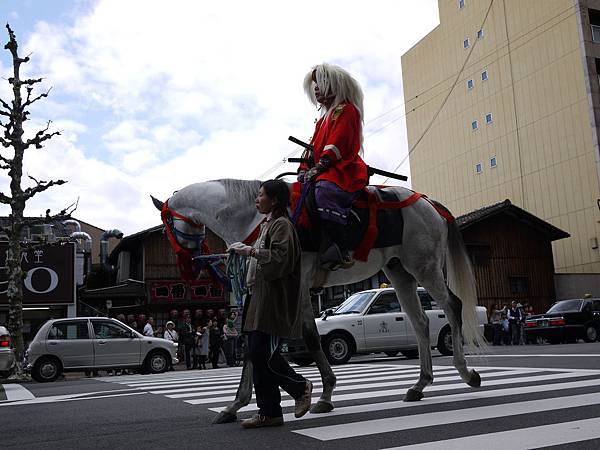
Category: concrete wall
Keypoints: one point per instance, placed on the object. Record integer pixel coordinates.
(576, 285)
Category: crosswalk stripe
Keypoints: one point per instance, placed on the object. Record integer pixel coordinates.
(191, 392)
(208, 379)
(388, 375)
(521, 439)
(377, 426)
(17, 392)
(472, 395)
(396, 392)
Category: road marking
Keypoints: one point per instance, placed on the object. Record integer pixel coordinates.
(552, 355)
(377, 426)
(473, 395)
(65, 398)
(387, 375)
(17, 392)
(525, 438)
(392, 392)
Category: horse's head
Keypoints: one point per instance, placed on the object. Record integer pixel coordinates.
(186, 236)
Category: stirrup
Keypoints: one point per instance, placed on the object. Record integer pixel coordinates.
(332, 259)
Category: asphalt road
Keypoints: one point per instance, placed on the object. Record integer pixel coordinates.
(531, 397)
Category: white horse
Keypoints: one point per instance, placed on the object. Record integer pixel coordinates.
(429, 245)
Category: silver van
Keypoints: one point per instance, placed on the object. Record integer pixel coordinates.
(7, 355)
(84, 343)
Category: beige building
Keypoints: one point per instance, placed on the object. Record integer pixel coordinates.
(518, 121)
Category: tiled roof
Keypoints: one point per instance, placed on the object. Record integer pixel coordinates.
(506, 207)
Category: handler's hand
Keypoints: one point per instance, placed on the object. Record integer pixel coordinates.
(312, 173)
(301, 176)
(240, 248)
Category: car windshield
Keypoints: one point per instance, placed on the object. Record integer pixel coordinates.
(566, 305)
(355, 304)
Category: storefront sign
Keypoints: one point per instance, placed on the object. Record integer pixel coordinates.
(50, 275)
(178, 290)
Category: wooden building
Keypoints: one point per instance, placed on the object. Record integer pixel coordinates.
(511, 251)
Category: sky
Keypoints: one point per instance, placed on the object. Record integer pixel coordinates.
(150, 95)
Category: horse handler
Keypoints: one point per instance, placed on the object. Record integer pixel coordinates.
(272, 307)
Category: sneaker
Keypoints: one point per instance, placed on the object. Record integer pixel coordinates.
(258, 421)
(303, 403)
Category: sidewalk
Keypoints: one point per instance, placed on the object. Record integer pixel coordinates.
(180, 367)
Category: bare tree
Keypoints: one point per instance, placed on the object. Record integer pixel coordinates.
(12, 116)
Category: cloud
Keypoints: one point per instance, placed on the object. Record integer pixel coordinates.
(156, 97)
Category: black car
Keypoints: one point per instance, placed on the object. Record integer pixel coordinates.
(567, 321)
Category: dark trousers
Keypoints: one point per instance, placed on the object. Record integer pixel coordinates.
(514, 333)
(229, 347)
(199, 361)
(215, 350)
(497, 328)
(187, 352)
(271, 371)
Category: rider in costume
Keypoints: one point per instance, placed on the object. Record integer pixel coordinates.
(338, 170)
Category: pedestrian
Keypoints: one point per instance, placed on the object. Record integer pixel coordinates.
(199, 338)
(171, 335)
(230, 335)
(273, 307)
(496, 322)
(514, 319)
(187, 339)
(149, 327)
(204, 348)
(214, 336)
(338, 170)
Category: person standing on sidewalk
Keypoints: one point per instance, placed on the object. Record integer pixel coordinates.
(230, 335)
(273, 307)
(187, 338)
(171, 335)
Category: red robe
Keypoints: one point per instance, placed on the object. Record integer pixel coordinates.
(337, 135)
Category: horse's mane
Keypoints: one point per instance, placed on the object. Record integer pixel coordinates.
(243, 190)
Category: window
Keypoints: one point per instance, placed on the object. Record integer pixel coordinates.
(484, 75)
(470, 84)
(518, 285)
(109, 330)
(77, 329)
(478, 168)
(386, 303)
(474, 125)
(480, 34)
(466, 43)
(493, 162)
(488, 118)
(461, 4)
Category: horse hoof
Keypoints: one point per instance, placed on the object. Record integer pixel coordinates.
(475, 380)
(412, 395)
(225, 417)
(321, 407)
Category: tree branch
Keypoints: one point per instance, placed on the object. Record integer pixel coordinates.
(5, 199)
(41, 136)
(41, 187)
(31, 101)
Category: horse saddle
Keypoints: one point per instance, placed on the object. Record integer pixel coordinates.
(388, 221)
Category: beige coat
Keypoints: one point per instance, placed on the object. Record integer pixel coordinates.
(274, 306)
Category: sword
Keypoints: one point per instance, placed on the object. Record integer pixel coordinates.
(370, 170)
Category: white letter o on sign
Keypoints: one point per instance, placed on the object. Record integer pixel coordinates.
(53, 280)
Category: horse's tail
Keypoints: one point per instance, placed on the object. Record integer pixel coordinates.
(461, 281)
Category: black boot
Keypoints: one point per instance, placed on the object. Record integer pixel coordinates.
(334, 254)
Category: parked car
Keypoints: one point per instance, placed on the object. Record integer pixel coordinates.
(566, 321)
(92, 343)
(7, 355)
(373, 321)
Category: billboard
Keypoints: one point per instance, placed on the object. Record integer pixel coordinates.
(50, 275)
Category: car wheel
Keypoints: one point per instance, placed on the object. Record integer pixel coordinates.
(303, 362)
(410, 354)
(391, 354)
(444, 345)
(46, 370)
(156, 362)
(337, 348)
(591, 333)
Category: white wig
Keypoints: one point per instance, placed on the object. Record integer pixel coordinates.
(336, 82)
